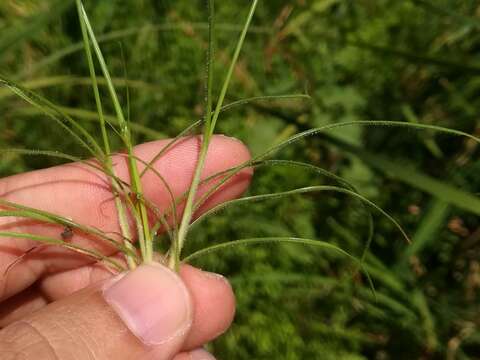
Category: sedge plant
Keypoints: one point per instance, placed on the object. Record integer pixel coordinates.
(139, 234)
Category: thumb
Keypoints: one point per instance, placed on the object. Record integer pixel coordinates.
(143, 314)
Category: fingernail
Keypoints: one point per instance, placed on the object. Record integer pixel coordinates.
(230, 138)
(152, 301)
(215, 276)
(201, 354)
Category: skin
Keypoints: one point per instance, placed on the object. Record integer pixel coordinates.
(43, 277)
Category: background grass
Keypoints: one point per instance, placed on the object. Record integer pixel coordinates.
(412, 60)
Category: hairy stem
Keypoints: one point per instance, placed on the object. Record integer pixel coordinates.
(122, 215)
(209, 127)
(144, 238)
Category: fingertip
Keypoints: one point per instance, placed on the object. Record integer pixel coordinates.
(214, 305)
(236, 152)
(237, 148)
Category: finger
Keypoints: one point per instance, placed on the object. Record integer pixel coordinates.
(80, 193)
(21, 305)
(212, 294)
(198, 354)
(214, 305)
(144, 314)
(51, 288)
(59, 285)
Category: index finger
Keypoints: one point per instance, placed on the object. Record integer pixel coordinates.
(83, 194)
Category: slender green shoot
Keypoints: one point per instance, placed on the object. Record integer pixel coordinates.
(52, 241)
(209, 126)
(55, 113)
(241, 102)
(284, 240)
(144, 237)
(304, 190)
(36, 214)
(122, 215)
(315, 131)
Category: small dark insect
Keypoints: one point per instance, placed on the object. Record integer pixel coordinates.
(135, 197)
(67, 233)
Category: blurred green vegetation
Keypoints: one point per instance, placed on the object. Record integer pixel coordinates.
(409, 60)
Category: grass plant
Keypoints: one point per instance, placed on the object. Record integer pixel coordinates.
(129, 198)
(139, 239)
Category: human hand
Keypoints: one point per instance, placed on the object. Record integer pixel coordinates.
(55, 304)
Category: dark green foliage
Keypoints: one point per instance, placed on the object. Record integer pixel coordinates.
(412, 61)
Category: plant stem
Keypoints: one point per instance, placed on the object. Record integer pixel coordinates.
(122, 216)
(209, 127)
(145, 239)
